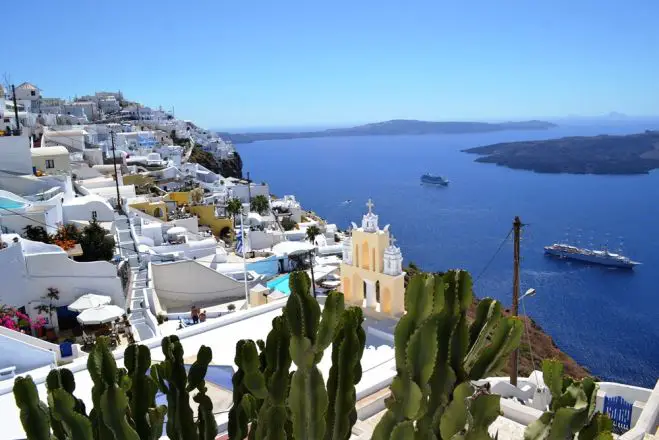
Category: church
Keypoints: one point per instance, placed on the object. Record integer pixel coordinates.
(372, 267)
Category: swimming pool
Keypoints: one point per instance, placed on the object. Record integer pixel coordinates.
(280, 284)
(10, 204)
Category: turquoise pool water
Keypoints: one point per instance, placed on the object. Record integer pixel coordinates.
(10, 204)
(280, 284)
(268, 267)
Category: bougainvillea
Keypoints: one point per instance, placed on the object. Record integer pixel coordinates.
(14, 319)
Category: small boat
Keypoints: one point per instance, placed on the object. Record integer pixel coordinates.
(434, 180)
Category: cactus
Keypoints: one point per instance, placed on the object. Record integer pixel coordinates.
(34, 413)
(124, 398)
(62, 379)
(261, 386)
(438, 354)
(109, 416)
(345, 373)
(147, 417)
(572, 409)
(283, 405)
(173, 381)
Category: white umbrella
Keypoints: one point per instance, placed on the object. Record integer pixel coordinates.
(89, 301)
(100, 315)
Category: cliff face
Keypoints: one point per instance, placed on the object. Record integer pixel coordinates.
(232, 167)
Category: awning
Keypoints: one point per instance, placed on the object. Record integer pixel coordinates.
(89, 301)
(100, 315)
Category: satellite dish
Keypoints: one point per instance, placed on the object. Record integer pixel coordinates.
(386, 228)
(354, 225)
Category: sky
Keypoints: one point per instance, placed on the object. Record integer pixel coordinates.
(247, 64)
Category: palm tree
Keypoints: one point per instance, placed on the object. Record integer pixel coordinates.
(260, 204)
(312, 232)
(234, 207)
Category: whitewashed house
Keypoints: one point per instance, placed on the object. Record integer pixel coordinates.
(30, 268)
(51, 160)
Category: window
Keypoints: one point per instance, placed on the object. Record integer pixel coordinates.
(50, 163)
(33, 92)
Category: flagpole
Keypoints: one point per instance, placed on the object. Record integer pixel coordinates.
(242, 234)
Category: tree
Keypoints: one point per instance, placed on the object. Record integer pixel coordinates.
(51, 296)
(66, 236)
(312, 232)
(197, 195)
(234, 207)
(288, 224)
(96, 244)
(36, 233)
(260, 204)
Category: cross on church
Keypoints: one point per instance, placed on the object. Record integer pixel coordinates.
(370, 206)
(393, 240)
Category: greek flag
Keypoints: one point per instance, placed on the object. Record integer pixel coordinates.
(242, 241)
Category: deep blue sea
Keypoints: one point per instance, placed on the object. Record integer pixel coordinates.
(607, 319)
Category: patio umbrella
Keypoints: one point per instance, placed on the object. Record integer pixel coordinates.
(89, 301)
(100, 315)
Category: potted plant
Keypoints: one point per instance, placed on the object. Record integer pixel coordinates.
(231, 307)
(51, 297)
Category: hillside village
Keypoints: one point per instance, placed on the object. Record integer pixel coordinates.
(120, 221)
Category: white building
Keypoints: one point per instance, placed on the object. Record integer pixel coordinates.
(51, 160)
(29, 95)
(15, 155)
(73, 139)
(30, 268)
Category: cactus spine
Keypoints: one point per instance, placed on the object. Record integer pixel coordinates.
(572, 409)
(437, 354)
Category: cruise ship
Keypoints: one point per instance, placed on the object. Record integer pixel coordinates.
(434, 180)
(603, 257)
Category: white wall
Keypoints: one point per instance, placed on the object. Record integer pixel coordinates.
(184, 283)
(241, 191)
(74, 210)
(190, 223)
(191, 249)
(15, 154)
(28, 275)
(61, 162)
(23, 356)
(264, 239)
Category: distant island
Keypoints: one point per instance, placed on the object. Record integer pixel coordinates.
(629, 154)
(394, 127)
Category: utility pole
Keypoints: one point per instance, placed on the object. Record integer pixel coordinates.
(18, 124)
(249, 189)
(313, 279)
(517, 229)
(116, 175)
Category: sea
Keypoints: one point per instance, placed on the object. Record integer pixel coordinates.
(606, 319)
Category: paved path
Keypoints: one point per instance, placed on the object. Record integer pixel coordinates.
(136, 299)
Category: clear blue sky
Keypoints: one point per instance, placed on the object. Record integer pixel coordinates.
(248, 63)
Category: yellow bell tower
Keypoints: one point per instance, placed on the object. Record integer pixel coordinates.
(372, 267)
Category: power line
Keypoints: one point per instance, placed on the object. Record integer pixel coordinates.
(494, 255)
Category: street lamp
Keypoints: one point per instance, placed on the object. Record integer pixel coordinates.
(529, 292)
